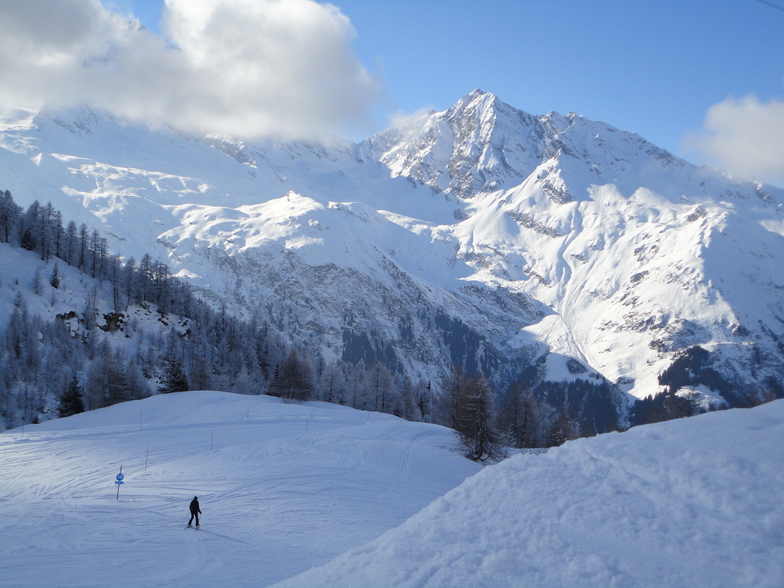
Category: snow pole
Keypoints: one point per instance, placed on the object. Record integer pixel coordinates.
(146, 459)
(119, 480)
(140, 420)
(212, 439)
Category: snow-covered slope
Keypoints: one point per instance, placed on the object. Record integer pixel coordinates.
(322, 495)
(692, 502)
(532, 248)
(282, 487)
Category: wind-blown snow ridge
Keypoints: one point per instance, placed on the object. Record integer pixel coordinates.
(685, 503)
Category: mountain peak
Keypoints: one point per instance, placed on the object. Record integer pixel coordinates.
(480, 144)
(478, 103)
(478, 95)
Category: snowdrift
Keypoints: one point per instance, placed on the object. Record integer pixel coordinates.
(694, 502)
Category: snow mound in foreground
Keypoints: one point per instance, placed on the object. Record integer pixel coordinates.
(695, 502)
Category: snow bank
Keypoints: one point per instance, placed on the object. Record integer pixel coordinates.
(695, 502)
(363, 499)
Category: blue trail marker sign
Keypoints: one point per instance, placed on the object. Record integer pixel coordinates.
(118, 479)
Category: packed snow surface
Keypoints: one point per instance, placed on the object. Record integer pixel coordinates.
(284, 488)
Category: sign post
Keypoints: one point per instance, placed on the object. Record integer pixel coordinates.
(118, 479)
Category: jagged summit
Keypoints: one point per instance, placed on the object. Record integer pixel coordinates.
(482, 144)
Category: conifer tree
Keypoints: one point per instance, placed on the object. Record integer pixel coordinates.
(174, 378)
(9, 213)
(407, 406)
(445, 409)
(564, 427)
(200, 377)
(520, 417)
(71, 402)
(54, 279)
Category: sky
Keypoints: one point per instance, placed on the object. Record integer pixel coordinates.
(703, 78)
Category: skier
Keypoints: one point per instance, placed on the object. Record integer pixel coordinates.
(195, 511)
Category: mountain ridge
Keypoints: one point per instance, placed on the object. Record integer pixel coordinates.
(480, 236)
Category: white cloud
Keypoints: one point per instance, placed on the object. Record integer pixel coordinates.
(744, 136)
(242, 67)
(410, 121)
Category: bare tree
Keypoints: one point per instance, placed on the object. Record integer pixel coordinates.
(475, 420)
(294, 380)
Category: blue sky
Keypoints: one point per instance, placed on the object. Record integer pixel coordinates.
(654, 67)
(701, 78)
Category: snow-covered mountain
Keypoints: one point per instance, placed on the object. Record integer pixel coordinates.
(639, 254)
(532, 248)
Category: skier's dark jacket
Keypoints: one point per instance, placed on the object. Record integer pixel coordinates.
(195, 506)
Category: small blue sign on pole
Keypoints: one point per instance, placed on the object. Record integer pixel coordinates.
(118, 479)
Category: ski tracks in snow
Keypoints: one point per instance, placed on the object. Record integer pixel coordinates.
(282, 488)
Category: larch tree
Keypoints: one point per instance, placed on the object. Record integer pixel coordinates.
(520, 417)
(294, 381)
(475, 420)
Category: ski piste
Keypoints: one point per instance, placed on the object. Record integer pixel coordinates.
(304, 498)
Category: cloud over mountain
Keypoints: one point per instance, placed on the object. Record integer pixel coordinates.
(746, 136)
(246, 68)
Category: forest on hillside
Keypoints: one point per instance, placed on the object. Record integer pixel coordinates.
(139, 330)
